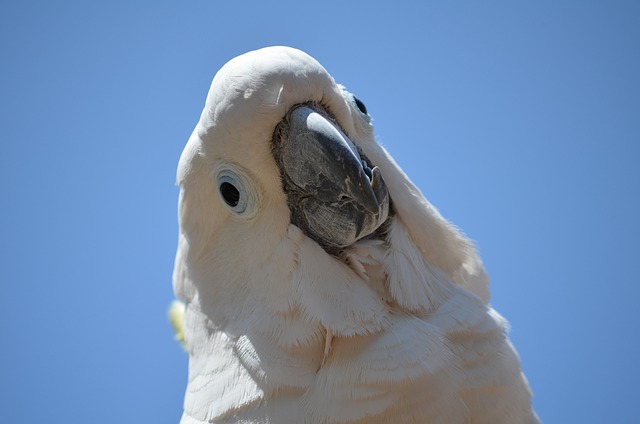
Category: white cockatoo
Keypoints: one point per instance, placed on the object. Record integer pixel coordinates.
(320, 285)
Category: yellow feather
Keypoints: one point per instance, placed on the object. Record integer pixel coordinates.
(176, 318)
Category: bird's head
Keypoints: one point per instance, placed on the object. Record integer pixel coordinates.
(281, 145)
(278, 144)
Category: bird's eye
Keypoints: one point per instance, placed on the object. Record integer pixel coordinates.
(360, 105)
(233, 191)
(230, 194)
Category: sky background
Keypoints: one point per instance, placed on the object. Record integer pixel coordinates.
(520, 121)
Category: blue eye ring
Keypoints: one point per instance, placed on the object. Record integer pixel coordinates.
(358, 105)
(233, 191)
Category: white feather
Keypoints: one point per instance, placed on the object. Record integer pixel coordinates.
(393, 330)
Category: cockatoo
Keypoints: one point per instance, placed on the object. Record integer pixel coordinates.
(320, 285)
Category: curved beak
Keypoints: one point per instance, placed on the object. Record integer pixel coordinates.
(333, 195)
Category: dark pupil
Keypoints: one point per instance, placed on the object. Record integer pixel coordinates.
(230, 194)
(360, 105)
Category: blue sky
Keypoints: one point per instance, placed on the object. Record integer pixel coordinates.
(519, 121)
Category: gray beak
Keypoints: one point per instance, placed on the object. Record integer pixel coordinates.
(333, 195)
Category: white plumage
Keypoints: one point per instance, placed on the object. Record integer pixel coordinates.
(392, 328)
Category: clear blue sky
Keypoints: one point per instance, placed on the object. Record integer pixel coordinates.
(520, 122)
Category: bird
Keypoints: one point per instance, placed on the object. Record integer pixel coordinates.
(319, 284)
